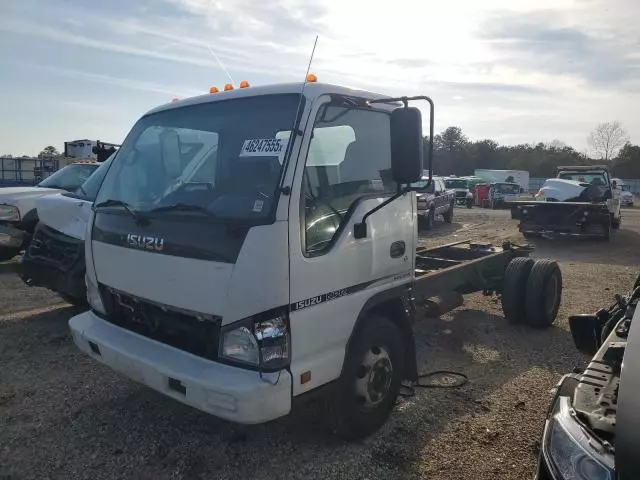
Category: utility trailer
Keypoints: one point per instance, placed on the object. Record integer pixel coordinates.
(273, 264)
(579, 202)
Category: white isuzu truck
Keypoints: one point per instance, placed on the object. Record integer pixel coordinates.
(250, 248)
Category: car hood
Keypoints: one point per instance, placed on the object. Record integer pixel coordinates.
(13, 193)
(65, 214)
(561, 189)
(24, 197)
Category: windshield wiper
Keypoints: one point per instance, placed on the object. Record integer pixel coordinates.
(119, 203)
(184, 207)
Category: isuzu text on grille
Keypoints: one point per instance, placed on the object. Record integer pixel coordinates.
(145, 243)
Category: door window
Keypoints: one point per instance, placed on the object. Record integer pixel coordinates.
(349, 158)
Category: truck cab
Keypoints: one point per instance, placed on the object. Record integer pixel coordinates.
(257, 246)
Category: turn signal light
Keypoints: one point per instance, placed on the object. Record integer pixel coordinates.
(228, 87)
(311, 78)
(213, 90)
(244, 84)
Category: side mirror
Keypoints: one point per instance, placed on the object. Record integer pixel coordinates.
(406, 145)
(171, 153)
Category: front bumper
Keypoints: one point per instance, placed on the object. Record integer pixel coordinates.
(232, 393)
(12, 237)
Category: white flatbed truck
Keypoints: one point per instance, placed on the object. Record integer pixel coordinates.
(238, 267)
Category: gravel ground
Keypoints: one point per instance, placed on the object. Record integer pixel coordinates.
(64, 416)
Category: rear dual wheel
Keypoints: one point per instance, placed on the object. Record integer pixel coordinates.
(532, 292)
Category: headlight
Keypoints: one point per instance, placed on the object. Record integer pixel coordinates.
(259, 341)
(571, 452)
(9, 213)
(93, 296)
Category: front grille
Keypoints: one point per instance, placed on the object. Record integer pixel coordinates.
(461, 194)
(55, 248)
(194, 334)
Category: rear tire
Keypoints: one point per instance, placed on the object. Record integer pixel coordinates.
(368, 387)
(606, 235)
(544, 292)
(448, 215)
(514, 289)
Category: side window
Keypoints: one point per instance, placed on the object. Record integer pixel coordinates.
(349, 158)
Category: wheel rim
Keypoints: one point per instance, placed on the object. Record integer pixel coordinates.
(373, 377)
(550, 295)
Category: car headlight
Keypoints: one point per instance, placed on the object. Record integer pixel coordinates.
(93, 296)
(9, 213)
(571, 452)
(261, 341)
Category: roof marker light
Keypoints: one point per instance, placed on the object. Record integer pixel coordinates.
(228, 87)
(311, 78)
(213, 90)
(174, 100)
(244, 84)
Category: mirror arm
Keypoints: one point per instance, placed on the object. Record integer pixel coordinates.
(360, 229)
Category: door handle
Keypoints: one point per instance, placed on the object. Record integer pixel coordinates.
(397, 249)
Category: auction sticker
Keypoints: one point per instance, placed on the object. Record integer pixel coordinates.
(263, 147)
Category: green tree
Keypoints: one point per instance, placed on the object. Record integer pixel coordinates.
(49, 151)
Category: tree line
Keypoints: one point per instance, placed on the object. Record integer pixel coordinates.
(609, 144)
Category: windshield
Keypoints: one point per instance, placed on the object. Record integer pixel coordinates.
(89, 189)
(625, 188)
(420, 186)
(509, 188)
(455, 183)
(594, 178)
(70, 177)
(224, 158)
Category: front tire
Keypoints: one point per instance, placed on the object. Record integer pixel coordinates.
(448, 215)
(8, 253)
(75, 301)
(370, 380)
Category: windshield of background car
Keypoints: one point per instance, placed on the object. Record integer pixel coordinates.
(420, 186)
(508, 188)
(455, 183)
(89, 189)
(224, 157)
(70, 177)
(594, 178)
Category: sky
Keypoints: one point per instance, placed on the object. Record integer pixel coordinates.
(522, 71)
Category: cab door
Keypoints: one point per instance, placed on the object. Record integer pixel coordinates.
(343, 171)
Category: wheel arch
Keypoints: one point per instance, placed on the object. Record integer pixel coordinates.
(393, 304)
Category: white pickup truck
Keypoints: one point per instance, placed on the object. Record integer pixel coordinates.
(18, 214)
(55, 257)
(255, 247)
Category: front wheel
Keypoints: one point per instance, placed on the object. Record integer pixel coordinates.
(448, 215)
(8, 253)
(368, 387)
(469, 203)
(75, 301)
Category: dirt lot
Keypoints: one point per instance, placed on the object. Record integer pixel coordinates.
(64, 416)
